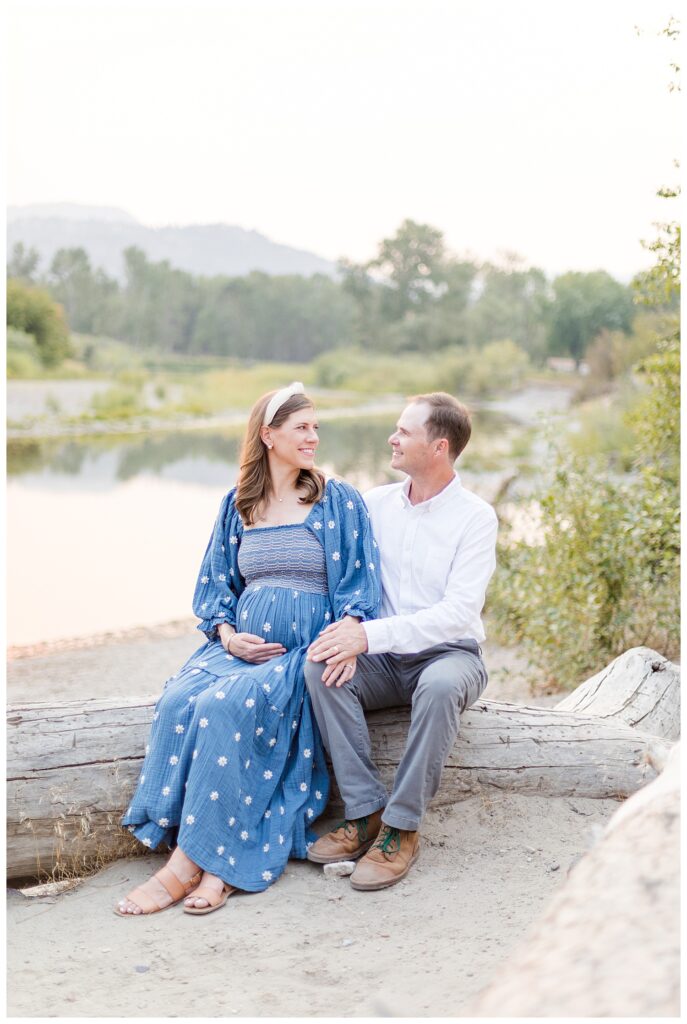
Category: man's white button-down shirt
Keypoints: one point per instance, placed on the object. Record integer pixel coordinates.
(437, 559)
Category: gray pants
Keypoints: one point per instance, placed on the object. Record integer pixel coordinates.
(437, 683)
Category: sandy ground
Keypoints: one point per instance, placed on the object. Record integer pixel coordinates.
(308, 946)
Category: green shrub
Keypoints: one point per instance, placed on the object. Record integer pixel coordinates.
(604, 577)
(32, 310)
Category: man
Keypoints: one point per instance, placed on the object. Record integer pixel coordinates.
(437, 546)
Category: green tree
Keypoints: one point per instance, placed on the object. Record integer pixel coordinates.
(513, 302)
(33, 311)
(89, 297)
(413, 262)
(23, 263)
(583, 305)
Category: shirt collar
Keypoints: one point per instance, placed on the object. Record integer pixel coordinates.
(437, 501)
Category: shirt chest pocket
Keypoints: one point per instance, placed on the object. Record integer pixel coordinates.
(432, 569)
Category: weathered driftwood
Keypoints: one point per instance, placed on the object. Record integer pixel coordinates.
(609, 943)
(72, 766)
(640, 688)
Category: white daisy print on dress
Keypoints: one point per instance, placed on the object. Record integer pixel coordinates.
(250, 703)
(174, 759)
(220, 695)
(204, 579)
(303, 787)
(237, 736)
(278, 668)
(310, 812)
(214, 795)
(147, 842)
(281, 840)
(194, 755)
(349, 505)
(203, 723)
(307, 752)
(190, 820)
(336, 556)
(244, 835)
(163, 822)
(266, 848)
(232, 861)
(248, 800)
(267, 875)
(267, 627)
(259, 731)
(268, 814)
(166, 791)
(221, 761)
(272, 742)
(232, 821)
(331, 524)
(267, 774)
(220, 850)
(179, 728)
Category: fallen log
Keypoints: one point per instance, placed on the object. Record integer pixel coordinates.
(72, 766)
(608, 944)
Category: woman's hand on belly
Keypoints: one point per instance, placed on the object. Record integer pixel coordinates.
(252, 648)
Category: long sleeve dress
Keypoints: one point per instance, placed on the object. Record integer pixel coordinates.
(234, 770)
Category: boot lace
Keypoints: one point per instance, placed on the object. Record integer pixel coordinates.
(389, 837)
(360, 826)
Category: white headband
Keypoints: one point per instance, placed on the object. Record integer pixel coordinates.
(276, 401)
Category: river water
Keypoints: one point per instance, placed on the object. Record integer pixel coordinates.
(107, 533)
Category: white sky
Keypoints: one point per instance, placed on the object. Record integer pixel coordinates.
(539, 126)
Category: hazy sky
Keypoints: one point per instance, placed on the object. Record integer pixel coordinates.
(539, 126)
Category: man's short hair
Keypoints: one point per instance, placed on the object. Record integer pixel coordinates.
(447, 418)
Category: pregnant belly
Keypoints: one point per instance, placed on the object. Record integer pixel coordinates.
(281, 615)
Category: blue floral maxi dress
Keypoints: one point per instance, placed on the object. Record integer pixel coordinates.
(234, 768)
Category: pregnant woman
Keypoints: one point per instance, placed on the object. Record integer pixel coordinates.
(234, 772)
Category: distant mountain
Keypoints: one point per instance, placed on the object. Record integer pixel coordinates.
(104, 232)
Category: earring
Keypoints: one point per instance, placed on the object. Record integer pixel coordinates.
(270, 447)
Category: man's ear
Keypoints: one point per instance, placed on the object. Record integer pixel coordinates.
(440, 446)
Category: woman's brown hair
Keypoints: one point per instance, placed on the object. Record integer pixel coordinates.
(254, 487)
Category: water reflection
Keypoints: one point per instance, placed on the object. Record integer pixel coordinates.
(111, 530)
(356, 449)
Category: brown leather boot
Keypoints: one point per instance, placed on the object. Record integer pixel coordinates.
(389, 860)
(348, 841)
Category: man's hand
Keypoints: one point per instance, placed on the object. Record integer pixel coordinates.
(339, 674)
(249, 647)
(339, 642)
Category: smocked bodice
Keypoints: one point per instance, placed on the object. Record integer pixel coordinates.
(283, 556)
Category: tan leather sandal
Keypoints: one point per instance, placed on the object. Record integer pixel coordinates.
(215, 897)
(177, 889)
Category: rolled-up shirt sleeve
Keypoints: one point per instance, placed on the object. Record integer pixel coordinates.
(452, 617)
